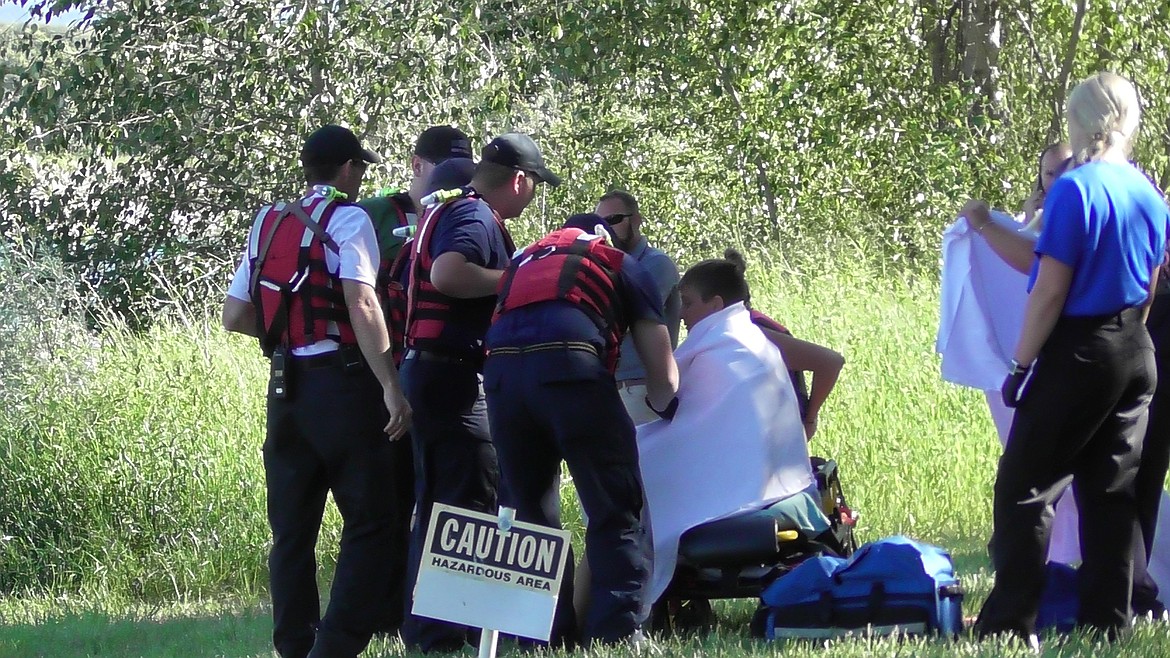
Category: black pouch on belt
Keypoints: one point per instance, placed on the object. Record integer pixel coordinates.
(351, 358)
(278, 374)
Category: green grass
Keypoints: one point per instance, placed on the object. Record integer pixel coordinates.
(132, 519)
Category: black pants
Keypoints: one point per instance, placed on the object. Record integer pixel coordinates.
(327, 436)
(454, 463)
(1151, 475)
(549, 406)
(1082, 420)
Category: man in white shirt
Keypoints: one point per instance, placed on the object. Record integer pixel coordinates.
(305, 288)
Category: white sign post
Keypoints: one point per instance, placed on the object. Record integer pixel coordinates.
(488, 571)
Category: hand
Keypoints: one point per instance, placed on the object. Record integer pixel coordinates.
(1034, 202)
(668, 411)
(400, 412)
(810, 427)
(977, 212)
(1016, 384)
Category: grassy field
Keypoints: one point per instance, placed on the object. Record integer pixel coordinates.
(131, 512)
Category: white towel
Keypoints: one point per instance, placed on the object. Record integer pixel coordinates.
(982, 312)
(736, 443)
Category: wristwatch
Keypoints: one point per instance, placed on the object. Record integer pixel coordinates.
(1018, 368)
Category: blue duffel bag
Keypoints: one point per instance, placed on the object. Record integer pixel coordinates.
(890, 585)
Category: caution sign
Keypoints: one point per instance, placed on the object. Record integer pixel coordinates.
(474, 573)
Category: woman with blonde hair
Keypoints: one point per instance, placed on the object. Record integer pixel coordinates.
(1083, 371)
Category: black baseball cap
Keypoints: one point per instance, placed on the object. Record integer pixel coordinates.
(439, 143)
(335, 145)
(451, 174)
(518, 151)
(589, 222)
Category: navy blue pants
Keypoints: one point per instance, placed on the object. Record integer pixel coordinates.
(327, 436)
(454, 463)
(563, 405)
(1082, 420)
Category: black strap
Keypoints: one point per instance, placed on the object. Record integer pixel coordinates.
(318, 231)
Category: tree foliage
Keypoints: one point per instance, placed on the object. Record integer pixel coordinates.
(138, 142)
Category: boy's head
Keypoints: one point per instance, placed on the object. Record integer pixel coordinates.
(711, 286)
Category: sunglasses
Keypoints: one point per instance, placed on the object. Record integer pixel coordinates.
(618, 218)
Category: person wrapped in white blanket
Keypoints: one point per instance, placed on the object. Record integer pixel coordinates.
(739, 443)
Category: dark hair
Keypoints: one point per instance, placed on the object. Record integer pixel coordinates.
(491, 176)
(321, 172)
(1040, 161)
(720, 276)
(624, 197)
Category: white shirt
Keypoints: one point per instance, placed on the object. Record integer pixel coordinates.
(357, 259)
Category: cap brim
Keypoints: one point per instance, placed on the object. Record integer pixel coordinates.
(371, 157)
(547, 176)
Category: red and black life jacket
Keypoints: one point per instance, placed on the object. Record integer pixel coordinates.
(391, 292)
(428, 310)
(395, 300)
(799, 384)
(573, 266)
(298, 300)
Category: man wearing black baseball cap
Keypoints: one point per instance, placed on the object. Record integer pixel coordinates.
(518, 151)
(463, 248)
(389, 210)
(334, 408)
(335, 145)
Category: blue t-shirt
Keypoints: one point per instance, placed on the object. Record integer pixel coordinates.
(664, 273)
(551, 321)
(1107, 222)
(469, 228)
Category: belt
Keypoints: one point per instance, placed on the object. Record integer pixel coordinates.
(345, 356)
(440, 357)
(572, 346)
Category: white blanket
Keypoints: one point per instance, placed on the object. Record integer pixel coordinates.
(735, 443)
(982, 308)
(982, 315)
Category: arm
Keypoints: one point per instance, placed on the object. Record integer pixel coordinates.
(1015, 249)
(1044, 306)
(665, 275)
(369, 326)
(239, 316)
(1153, 291)
(454, 276)
(652, 341)
(824, 364)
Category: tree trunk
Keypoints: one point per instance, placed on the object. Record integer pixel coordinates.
(937, 29)
(980, 30)
(1070, 56)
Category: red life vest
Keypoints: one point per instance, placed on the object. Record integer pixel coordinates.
(761, 320)
(395, 300)
(799, 384)
(389, 286)
(298, 300)
(572, 266)
(429, 310)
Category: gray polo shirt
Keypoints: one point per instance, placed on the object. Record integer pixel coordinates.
(665, 274)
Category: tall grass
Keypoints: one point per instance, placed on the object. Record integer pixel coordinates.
(131, 466)
(132, 492)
